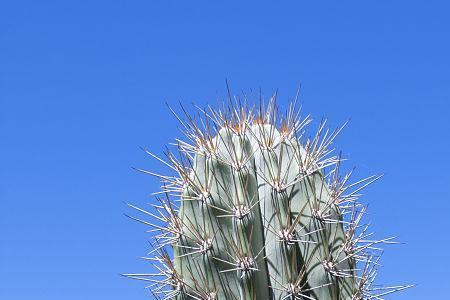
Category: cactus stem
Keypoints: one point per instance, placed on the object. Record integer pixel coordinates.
(248, 181)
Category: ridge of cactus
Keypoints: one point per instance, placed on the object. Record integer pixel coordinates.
(255, 209)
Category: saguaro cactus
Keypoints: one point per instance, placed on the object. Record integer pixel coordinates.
(256, 210)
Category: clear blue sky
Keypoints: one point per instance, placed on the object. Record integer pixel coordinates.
(83, 84)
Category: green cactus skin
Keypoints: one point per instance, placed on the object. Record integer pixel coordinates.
(253, 214)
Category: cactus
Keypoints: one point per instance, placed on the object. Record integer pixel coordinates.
(256, 210)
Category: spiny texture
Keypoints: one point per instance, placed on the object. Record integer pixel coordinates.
(258, 211)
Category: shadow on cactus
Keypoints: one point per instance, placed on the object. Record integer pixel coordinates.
(258, 210)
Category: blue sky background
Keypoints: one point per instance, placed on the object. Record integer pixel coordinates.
(83, 84)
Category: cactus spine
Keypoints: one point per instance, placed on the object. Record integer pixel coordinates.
(258, 211)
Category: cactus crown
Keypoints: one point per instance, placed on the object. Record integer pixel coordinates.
(258, 210)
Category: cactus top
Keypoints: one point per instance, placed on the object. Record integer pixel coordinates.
(257, 210)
